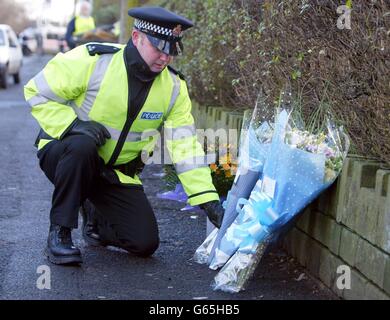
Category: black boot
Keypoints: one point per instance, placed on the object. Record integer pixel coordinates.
(60, 248)
(90, 224)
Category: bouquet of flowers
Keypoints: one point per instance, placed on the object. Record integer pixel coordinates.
(255, 140)
(298, 167)
(223, 170)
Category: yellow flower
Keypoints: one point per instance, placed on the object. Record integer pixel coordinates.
(226, 167)
(213, 167)
(223, 159)
(228, 174)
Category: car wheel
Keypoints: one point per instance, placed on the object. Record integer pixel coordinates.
(3, 79)
(16, 78)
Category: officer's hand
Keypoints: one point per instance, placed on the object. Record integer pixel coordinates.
(92, 129)
(214, 212)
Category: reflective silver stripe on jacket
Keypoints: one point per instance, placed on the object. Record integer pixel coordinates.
(132, 136)
(174, 95)
(194, 163)
(175, 92)
(38, 99)
(44, 91)
(93, 87)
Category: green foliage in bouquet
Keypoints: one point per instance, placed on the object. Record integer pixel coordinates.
(223, 173)
(170, 178)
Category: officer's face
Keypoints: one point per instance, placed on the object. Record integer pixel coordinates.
(85, 10)
(154, 58)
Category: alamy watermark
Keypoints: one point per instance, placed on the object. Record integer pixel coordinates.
(344, 279)
(344, 20)
(188, 144)
(44, 280)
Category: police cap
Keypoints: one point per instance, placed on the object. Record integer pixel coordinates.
(163, 28)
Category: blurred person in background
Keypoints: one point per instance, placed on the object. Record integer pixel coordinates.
(39, 40)
(80, 24)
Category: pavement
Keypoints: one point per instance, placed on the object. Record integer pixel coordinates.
(110, 273)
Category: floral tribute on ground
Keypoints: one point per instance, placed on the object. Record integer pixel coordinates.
(281, 169)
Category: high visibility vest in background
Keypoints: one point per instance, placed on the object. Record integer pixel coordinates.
(95, 87)
(117, 29)
(83, 24)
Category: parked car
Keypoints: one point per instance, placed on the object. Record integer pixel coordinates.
(11, 57)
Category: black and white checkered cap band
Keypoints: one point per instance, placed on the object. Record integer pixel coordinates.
(145, 25)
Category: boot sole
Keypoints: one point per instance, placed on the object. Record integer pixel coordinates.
(75, 259)
(88, 240)
(92, 242)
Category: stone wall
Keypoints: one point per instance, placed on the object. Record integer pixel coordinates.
(348, 225)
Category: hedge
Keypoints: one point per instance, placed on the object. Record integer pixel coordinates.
(241, 47)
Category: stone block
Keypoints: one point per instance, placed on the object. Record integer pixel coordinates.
(348, 246)
(299, 244)
(358, 200)
(333, 196)
(382, 238)
(312, 255)
(287, 242)
(325, 230)
(367, 214)
(358, 287)
(357, 193)
(386, 277)
(344, 183)
(372, 292)
(304, 220)
(306, 250)
(326, 203)
(371, 262)
(328, 270)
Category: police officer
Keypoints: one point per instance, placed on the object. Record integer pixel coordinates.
(80, 24)
(94, 105)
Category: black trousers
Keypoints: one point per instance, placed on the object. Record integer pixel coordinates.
(124, 214)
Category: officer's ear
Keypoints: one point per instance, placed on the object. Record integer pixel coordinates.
(136, 37)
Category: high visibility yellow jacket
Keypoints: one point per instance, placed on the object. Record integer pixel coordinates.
(83, 24)
(79, 85)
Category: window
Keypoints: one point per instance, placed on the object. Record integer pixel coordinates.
(2, 39)
(52, 36)
(11, 39)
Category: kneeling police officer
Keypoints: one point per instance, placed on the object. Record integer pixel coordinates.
(93, 105)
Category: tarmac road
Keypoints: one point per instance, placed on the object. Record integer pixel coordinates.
(109, 273)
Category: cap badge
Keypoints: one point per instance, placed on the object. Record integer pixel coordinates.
(176, 31)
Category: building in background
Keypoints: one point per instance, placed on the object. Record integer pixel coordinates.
(50, 17)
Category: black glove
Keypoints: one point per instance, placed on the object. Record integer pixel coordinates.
(92, 129)
(214, 212)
